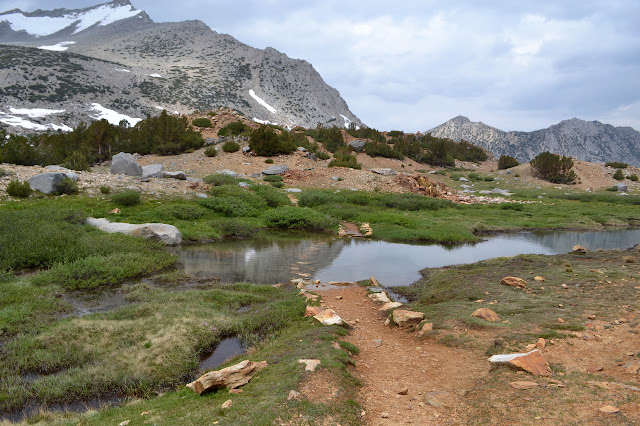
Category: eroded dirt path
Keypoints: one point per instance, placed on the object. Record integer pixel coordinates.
(390, 360)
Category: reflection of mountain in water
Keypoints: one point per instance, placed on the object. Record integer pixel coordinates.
(563, 241)
(260, 261)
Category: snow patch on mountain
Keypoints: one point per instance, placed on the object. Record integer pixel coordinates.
(262, 102)
(257, 120)
(112, 116)
(122, 70)
(156, 75)
(12, 120)
(40, 26)
(59, 47)
(35, 112)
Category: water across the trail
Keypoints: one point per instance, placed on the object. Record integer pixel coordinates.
(268, 261)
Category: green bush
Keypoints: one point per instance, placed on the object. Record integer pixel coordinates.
(66, 186)
(230, 146)
(269, 161)
(488, 178)
(237, 227)
(277, 184)
(76, 161)
(343, 158)
(126, 198)
(201, 122)
(617, 165)
(273, 178)
(374, 149)
(271, 196)
(321, 155)
(266, 142)
(475, 176)
(230, 206)
(395, 133)
(618, 175)
(15, 188)
(299, 218)
(104, 189)
(210, 152)
(633, 178)
(506, 162)
(180, 211)
(553, 168)
(3, 173)
(234, 129)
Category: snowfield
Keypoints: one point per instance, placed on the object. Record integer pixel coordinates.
(122, 70)
(257, 120)
(35, 112)
(60, 47)
(262, 102)
(112, 116)
(40, 26)
(12, 120)
(155, 75)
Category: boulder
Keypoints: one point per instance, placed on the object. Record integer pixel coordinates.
(329, 317)
(59, 169)
(486, 314)
(294, 190)
(463, 179)
(312, 311)
(174, 175)
(152, 171)
(310, 364)
(166, 234)
(406, 318)
(302, 149)
(227, 172)
(47, 183)
(125, 164)
(357, 145)
(514, 282)
(533, 362)
(230, 377)
(385, 172)
(578, 249)
(426, 327)
(276, 169)
(390, 306)
(380, 297)
(621, 187)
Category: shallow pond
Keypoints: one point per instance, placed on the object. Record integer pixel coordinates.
(267, 261)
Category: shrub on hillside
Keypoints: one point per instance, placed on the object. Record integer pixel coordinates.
(633, 177)
(618, 175)
(267, 143)
(506, 162)
(272, 178)
(343, 158)
(126, 198)
(299, 218)
(201, 122)
(375, 149)
(66, 186)
(553, 168)
(211, 152)
(617, 165)
(15, 188)
(230, 146)
(234, 129)
(230, 206)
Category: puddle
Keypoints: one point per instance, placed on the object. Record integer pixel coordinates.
(226, 349)
(34, 408)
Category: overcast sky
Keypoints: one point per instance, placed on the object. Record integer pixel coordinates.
(411, 65)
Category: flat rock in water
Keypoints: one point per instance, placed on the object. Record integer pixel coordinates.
(230, 377)
(125, 164)
(486, 314)
(385, 172)
(166, 234)
(276, 169)
(514, 282)
(533, 362)
(47, 183)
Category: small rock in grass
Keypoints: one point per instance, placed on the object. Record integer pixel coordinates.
(523, 385)
(514, 282)
(235, 391)
(595, 369)
(541, 343)
(610, 409)
(293, 395)
(403, 391)
(124, 423)
(310, 364)
(227, 404)
(538, 278)
(564, 286)
(486, 314)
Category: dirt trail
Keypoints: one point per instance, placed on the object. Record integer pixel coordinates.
(390, 359)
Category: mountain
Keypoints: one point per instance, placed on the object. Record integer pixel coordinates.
(112, 60)
(585, 140)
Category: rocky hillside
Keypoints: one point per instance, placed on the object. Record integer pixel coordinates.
(115, 56)
(585, 140)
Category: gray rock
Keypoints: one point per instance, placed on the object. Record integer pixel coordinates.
(302, 149)
(227, 172)
(202, 195)
(276, 169)
(463, 179)
(246, 149)
(47, 183)
(336, 178)
(311, 156)
(192, 179)
(508, 172)
(243, 185)
(256, 175)
(174, 175)
(166, 234)
(357, 145)
(385, 172)
(152, 171)
(501, 191)
(125, 164)
(293, 190)
(465, 186)
(621, 187)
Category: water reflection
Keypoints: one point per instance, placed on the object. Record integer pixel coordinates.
(267, 261)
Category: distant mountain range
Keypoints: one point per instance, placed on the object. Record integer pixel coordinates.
(585, 140)
(60, 67)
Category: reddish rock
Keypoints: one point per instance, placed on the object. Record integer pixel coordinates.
(609, 409)
(329, 317)
(578, 249)
(533, 362)
(426, 327)
(486, 314)
(312, 311)
(514, 282)
(406, 318)
(230, 377)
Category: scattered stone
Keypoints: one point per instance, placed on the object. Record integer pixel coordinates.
(174, 175)
(246, 149)
(145, 413)
(125, 164)
(230, 377)
(564, 286)
(152, 171)
(426, 327)
(227, 172)
(293, 395)
(390, 305)
(227, 404)
(486, 314)
(338, 297)
(404, 318)
(380, 297)
(384, 172)
(115, 211)
(374, 282)
(377, 342)
(309, 296)
(47, 183)
(302, 149)
(538, 278)
(578, 249)
(235, 391)
(561, 321)
(166, 234)
(533, 362)
(310, 364)
(404, 391)
(595, 369)
(632, 368)
(463, 179)
(609, 409)
(523, 385)
(276, 169)
(357, 145)
(541, 343)
(329, 317)
(514, 282)
(385, 415)
(124, 423)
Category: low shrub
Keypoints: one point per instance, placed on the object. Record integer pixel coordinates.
(269, 161)
(104, 189)
(374, 149)
(633, 177)
(553, 168)
(234, 129)
(617, 165)
(343, 158)
(299, 218)
(321, 155)
(271, 196)
(180, 211)
(210, 152)
(488, 178)
(618, 175)
(507, 162)
(66, 186)
(277, 184)
(220, 179)
(126, 198)
(15, 188)
(237, 228)
(230, 146)
(3, 173)
(272, 178)
(201, 122)
(230, 206)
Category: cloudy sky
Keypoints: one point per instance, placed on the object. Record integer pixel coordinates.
(413, 64)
